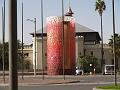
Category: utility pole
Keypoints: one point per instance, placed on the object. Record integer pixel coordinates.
(114, 49)
(3, 46)
(4, 43)
(42, 37)
(22, 45)
(13, 77)
(35, 47)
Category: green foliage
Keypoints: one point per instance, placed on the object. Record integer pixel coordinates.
(27, 64)
(19, 57)
(85, 61)
(111, 87)
(6, 55)
(100, 6)
(117, 44)
(117, 47)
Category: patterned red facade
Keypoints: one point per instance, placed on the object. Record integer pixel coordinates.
(54, 46)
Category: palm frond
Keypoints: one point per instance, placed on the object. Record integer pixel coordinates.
(100, 6)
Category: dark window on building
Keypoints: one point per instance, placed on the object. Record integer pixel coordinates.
(112, 62)
(84, 52)
(91, 53)
(26, 54)
(79, 53)
(103, 61)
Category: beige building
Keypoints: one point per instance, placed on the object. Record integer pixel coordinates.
(87, 42)
(28, 54)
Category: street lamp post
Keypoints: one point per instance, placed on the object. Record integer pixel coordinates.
(34, 21)
(114, 53)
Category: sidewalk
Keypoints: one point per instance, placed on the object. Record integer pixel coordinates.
(38, 81)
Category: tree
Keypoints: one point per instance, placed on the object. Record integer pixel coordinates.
(85, 61)
(27, 64)
(100, 7)
(6, 56)
(19, 61)
(117, 46)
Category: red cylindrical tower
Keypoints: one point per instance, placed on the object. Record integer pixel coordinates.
(55, 48)
(54, 45)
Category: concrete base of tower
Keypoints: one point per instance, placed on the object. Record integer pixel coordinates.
(60, 72)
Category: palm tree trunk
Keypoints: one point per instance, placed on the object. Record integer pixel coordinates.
(102, 61)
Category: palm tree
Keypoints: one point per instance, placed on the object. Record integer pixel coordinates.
(100, 7)
(117, 46)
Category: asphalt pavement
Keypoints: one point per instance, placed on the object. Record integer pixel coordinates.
(71, 82)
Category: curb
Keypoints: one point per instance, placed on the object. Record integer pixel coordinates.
(103, 89)
(49, 83)
(43, 83)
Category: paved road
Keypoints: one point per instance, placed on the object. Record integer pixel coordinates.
(86, 83)
(57, 87)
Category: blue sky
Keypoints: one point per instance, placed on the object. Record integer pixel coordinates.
(84, 13)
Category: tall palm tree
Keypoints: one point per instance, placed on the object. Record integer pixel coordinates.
(100, 7)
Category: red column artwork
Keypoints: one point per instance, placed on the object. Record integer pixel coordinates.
(54, 46)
